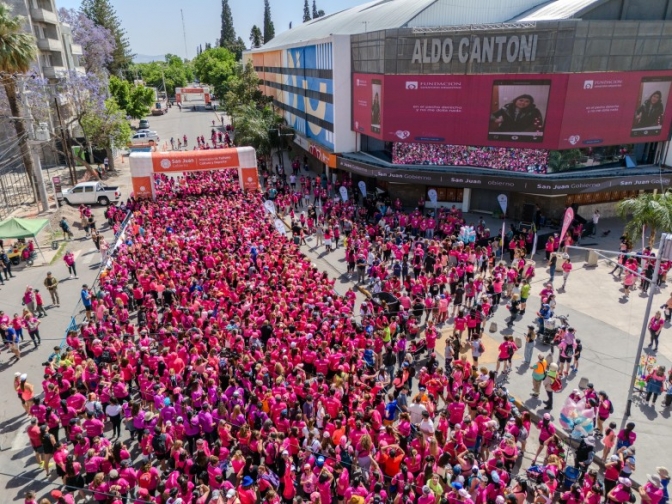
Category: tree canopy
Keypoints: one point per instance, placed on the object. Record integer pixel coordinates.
(98, 43)
(243, 88)
(215, 67)
(269, 28)
(256, 37)
(306, 11)
(647, 212)
(134, 100)
(177, 73)
(103, 14)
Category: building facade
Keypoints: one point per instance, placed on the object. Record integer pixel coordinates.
(57, 53)
(552, 103)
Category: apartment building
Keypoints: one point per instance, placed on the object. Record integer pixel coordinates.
(57, 53)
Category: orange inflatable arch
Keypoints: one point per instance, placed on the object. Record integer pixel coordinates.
(145, 164)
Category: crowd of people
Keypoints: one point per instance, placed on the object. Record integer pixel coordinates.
(241, 376)
(498, 158)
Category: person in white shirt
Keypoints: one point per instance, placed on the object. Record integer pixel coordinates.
(426, 425)
(416, 410)
(596, 219)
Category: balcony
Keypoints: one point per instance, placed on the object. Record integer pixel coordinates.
(76, 49)
(54, 72)
(49, 44)
(44, 15)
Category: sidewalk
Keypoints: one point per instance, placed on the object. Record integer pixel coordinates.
(608, 327)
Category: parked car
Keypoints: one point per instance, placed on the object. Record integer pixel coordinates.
(140, 138)
(144, 124)
(90, 193)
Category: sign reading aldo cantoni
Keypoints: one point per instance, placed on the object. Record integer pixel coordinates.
(484, 49)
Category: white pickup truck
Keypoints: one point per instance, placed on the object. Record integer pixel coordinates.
(90, 193)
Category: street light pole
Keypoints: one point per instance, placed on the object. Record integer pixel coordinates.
(645, 323)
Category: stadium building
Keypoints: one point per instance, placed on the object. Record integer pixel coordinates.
(551, 103)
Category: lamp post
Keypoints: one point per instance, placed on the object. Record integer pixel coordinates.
(664, 249)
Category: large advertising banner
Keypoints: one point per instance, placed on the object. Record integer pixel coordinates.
(609, 109)
(367, 104)
(468, 110)
(558, 111)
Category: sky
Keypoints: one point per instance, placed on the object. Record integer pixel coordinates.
(154, 27)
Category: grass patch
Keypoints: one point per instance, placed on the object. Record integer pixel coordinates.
(59, 253)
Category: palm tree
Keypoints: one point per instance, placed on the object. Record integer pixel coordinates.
(257, 127)
(647, 212)
(18, 51)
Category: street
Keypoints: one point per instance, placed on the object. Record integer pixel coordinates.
(18, 470)
(608, 328)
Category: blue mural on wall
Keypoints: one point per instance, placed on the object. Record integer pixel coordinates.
(315, 57)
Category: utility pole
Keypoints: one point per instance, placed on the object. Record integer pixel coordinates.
(184, 33)
(664, 250)
(38, 180)
(64, 141)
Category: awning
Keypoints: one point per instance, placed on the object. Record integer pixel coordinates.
(21, 228)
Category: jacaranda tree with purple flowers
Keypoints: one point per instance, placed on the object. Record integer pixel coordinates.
(97, 42)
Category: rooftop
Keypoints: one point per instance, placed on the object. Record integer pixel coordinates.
(393, 14)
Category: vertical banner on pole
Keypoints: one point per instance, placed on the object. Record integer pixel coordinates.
(566, 222)
(362, 188)
(534, 243)
(269, 206)
(344, 193)
(280, 227)
(503, 202)
(433, 196)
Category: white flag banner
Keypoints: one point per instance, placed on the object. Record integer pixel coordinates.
(269, 206)
(534, 245)
(433, 196)
(503, 202)
(344, 193)
(280, 227)
(362, 187)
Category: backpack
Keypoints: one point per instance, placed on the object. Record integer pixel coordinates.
(145, 480)
(556, 386)
(481, 348)
(106, 356)
(611, 407)
(159, 444)
(569, 350)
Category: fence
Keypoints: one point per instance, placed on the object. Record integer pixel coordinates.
(118, 240)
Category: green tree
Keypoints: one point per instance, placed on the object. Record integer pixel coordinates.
(140, 103)
(317, 13)
(228, 33)
(256, 37)
(215, 67)
(647, 212)
(17, 52)
(102, 13)
(107, 129)
(269, 28)
(306, 11)
(559, 161)
(243, 89)
(257, 128)
(176, 72)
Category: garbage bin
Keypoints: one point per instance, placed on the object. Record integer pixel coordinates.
(591, 262)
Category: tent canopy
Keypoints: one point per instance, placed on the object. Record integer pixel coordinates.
(21, 228)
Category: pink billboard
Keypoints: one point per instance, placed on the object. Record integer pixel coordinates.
(367, 102)
(538, 111)
(616, 108)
